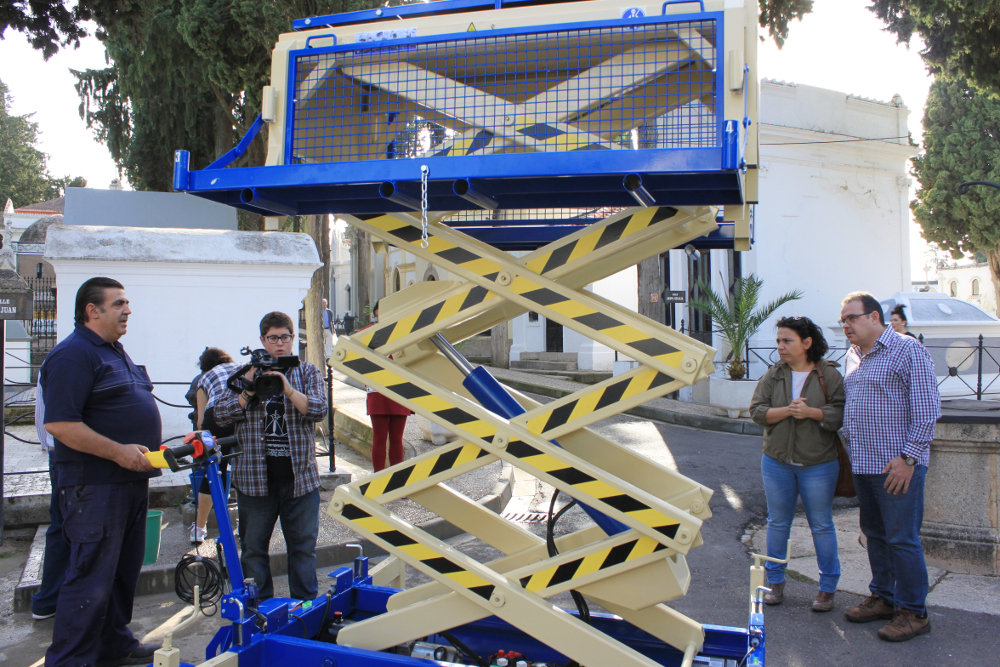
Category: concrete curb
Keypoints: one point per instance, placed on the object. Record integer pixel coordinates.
(160, 579)
(703, 422)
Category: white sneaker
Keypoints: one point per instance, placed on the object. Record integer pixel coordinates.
(197, 535)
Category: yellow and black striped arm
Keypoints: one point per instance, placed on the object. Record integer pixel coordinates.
(622, 501)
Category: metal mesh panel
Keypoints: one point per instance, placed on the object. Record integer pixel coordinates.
(563, 215)
(615, 88)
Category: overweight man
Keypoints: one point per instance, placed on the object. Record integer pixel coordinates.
(892, 407)
(100, 410)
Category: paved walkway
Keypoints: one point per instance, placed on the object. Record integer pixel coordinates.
(953, 590)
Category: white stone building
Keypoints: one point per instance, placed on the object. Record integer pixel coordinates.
(970, 281)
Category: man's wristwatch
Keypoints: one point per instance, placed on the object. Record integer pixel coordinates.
(910, 461)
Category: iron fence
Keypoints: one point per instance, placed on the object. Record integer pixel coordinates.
(953, 364)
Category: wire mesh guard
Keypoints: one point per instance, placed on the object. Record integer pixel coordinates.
(608, 88)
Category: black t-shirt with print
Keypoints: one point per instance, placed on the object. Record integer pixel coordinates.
(276, 442)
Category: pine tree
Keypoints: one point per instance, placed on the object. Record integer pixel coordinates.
(961, 143)
(962, 37)
(24, 174)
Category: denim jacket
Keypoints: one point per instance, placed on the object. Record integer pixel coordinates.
(804, 441)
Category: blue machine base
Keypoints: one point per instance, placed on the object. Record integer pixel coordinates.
(290, 638)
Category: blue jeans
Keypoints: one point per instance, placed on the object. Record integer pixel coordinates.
(105, 525)
(300, 526)
(56, 559)
(892, 526)
(783, 485)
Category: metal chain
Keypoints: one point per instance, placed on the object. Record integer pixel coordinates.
(424, 173)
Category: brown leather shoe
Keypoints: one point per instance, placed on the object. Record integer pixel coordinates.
(823, 602)
(777, 594)
(904, 625)
(874, 608)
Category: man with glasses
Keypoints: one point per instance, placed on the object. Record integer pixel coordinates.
(276, 477)
(892, 406)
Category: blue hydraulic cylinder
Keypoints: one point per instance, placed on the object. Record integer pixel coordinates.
(491, 394)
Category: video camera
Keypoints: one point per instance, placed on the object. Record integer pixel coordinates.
(262, 385)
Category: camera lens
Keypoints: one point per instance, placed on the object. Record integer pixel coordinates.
(266, 386)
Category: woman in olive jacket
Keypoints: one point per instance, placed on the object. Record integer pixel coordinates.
(800, 421)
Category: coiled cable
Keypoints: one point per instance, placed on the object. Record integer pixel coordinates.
(204, 572)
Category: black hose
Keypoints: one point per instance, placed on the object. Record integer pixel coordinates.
(463, 649)
(550, 542)
(305, 630)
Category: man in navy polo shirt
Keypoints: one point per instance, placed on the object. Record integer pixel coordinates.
(99, 408)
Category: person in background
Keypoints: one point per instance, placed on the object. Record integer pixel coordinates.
(892, 406)
(100, 410)
(388, 423)
(327, 330)
(897, 319)
(56, 559)
(800, 404)
(276, 476)
(216, 366)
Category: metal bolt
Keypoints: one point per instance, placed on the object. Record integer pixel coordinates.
(697, 506)
(504, 278)
(378, 12)
(337, 505)
(684, 536)
(339, 354)
(500, 441)
(309, 21)
(497, 600)
(689, 365)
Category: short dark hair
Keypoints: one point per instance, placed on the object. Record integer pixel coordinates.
(212, 357)
(806, 328)
(868, 302)
(898, 311)
(276, 320)
(93, 292)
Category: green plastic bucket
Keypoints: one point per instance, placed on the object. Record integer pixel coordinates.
(154, 519)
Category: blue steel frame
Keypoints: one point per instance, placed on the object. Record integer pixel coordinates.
(679, 177)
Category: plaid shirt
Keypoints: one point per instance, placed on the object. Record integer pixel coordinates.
(213, 383)
(892, 403)
(250, 469)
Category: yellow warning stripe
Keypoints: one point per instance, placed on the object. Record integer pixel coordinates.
(597, 399)
(595, 562)
(398, 542)
(446, 458)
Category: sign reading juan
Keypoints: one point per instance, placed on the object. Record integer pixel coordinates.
(16, 305)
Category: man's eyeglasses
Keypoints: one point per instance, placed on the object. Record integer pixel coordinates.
(284, 338)
(850, 318)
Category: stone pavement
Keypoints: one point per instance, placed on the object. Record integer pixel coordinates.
(953, 590)
(666, 410)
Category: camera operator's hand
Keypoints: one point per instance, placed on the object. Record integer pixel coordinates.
(286, 388)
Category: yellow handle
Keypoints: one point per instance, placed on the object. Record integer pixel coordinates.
(156, 458)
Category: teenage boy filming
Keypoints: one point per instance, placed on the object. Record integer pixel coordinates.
(276, 476)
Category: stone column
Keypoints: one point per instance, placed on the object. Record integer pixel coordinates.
(961, 530)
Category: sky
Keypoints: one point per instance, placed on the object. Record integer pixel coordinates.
(840, 46)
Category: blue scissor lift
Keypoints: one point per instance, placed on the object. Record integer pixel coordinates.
(590, 136)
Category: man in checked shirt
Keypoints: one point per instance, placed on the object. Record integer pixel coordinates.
(892, 406)
(276, 477)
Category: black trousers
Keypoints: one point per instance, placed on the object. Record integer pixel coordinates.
(105, 525)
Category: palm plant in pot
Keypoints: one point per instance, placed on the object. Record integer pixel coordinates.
(737, 318)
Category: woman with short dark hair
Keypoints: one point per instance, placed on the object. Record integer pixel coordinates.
(800, 404)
